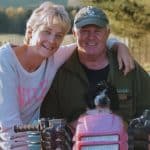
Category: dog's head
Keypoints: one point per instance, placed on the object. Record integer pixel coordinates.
(104, 94)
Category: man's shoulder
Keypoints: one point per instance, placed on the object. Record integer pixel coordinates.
(141, 72)
(70, 63)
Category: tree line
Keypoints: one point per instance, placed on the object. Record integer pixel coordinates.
(13, 20)
(128, 17)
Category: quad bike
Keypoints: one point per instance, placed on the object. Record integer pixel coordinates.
(139, 132)
(91, 134)
(47, 134)
(98, 129)
(101, 130)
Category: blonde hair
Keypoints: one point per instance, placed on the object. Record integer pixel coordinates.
(47, 14)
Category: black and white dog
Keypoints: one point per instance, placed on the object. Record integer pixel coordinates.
(102, 97)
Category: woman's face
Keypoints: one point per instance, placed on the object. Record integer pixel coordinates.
(47, 39)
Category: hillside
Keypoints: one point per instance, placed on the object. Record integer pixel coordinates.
(33, 3)
(18, 3)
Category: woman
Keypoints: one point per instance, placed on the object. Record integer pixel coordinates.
(27, 71)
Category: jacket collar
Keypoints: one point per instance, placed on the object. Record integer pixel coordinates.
(73, 65)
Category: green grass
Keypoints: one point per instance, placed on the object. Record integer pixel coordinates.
(12, 38)
(18, 39)
(146, 3)
(27, 3)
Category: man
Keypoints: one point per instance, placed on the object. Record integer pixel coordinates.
(90, 64)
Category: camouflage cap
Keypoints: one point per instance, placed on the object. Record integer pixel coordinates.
(90, 15)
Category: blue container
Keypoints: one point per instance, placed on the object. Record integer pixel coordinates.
(34, 140)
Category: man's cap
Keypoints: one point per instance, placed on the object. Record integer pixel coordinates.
(90, 15)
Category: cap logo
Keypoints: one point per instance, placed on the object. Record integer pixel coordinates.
(90, 12)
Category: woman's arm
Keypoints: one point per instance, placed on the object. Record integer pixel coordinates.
(63, 53)
(125, 60)
(9, 108)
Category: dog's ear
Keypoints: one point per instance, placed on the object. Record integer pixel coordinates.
(111, 92)
(89, 98)
(93, 91)
(113, 96)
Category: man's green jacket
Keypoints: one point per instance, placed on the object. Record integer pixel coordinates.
(66, 97)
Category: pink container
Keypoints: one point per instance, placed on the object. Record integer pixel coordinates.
(101, 131)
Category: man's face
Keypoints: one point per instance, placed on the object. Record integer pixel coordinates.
(91, 39)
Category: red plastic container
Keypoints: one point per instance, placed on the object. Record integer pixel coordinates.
(100, 131)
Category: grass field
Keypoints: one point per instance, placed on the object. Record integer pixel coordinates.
(146, 3)
(18, 39)
(12, 38)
